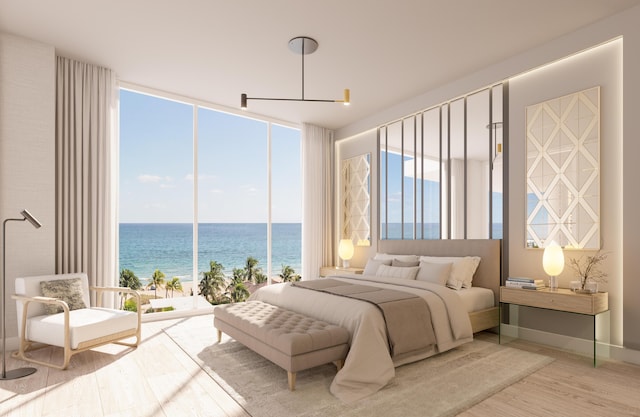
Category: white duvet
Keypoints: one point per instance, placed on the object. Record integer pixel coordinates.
(368, 366)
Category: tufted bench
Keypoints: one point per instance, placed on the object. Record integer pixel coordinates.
(290, 340)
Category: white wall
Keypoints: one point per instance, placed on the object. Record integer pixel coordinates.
(556, 80)
(27, 162)
(620, 226)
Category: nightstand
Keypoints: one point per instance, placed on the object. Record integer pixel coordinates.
(329, 271)
(595, 306)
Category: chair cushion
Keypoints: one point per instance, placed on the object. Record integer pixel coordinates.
(68, 290)
(84, 324)
(30, 287)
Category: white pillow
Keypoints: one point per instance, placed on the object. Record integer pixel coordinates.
(372, 266)
(462, 270)
(389, 256)
(400, 272)
(404, 264)
(438, 273)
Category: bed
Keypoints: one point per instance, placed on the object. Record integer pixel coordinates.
(487, 276)
(369, 365)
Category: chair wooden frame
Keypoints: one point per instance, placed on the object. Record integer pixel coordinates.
(28, 346)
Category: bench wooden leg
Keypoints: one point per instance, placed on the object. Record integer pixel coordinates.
(339, 363)
(219, 335)
(292, 380)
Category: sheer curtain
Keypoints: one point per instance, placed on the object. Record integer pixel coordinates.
(317, 197)
(86, 171)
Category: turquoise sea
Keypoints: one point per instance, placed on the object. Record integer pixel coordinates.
(145, 247)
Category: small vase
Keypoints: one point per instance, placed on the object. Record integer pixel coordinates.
(589, 288)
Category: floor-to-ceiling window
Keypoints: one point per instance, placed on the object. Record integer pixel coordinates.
(156, 198)
(286, 199)
(182, 164)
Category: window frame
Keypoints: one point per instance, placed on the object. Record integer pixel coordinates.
(196, 105)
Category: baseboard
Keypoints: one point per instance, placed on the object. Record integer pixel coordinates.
(572, 344)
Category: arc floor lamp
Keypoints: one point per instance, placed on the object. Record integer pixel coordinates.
(20, 372)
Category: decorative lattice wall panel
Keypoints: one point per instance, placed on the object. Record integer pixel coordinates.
(563, 171)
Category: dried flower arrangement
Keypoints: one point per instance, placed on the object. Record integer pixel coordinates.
(589, 269)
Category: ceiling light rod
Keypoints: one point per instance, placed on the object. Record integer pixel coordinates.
(301, 45)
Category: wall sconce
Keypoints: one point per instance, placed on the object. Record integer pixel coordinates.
(345, 251)
(497, 146)
(553, 263)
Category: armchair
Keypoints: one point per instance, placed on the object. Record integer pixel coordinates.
(77, 326)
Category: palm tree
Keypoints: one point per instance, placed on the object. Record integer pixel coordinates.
(236, 290)
(157, 280)
(128, 280)
(172, 285)
(259, 276)
(252, 273)
(212, 283)
(288, 274)
(239, 275)
(250, 268)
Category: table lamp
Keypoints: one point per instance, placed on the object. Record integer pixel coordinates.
(345, 251)
(553, 263)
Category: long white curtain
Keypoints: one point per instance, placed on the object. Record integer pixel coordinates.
(317, 197)
(86, 171)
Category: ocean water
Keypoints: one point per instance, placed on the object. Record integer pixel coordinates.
(145, 247)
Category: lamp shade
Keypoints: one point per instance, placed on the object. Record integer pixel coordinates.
(28, 216)
(553, 259)
(345, 249)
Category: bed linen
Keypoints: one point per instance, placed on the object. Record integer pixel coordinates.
(476, 298)
(369, 366)
(407, 315)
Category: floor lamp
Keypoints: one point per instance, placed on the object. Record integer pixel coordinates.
(20, 372)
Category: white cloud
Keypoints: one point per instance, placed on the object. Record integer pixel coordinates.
(154, 179)
(250, 189)
(216, 191)
(145, 178)
(201, 177)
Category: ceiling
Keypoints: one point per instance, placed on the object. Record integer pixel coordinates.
(213, 50)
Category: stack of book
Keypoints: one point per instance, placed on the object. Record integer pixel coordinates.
(524, 283)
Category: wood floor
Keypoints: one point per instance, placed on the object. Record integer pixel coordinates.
(159, 379)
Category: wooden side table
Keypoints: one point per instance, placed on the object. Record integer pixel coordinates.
(329, 271)
(593, 305)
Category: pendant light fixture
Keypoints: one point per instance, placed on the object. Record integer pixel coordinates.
(301, 45)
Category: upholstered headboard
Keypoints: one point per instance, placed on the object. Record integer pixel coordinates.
(488, 273)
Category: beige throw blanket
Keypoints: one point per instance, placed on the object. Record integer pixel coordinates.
(369, 366)
(407, 316)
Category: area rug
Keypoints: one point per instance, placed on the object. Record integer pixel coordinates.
(443, 385)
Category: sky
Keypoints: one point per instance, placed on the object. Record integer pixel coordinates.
(156, 165)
